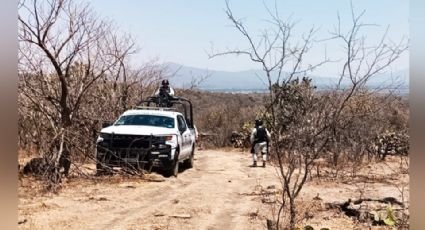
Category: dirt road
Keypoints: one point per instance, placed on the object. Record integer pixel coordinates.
(215, 194)
(220, 192)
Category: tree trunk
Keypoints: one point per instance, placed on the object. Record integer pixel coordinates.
(292, 212)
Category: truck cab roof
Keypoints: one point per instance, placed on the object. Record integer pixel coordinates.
(152, 111)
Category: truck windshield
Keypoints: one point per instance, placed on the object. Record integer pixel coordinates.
(149, 120)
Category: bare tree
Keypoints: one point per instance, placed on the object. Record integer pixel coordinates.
(305, 123)
(363, 61)
(276, 50)
(64, 49)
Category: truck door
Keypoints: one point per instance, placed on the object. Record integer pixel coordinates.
(185, 134)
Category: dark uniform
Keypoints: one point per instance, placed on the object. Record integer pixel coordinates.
(260, 137)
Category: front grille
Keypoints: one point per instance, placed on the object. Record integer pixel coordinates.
(119, 141)
(117, 149)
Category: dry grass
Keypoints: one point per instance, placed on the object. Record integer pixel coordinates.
(373, 180)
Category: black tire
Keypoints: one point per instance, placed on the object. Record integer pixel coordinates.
(149, 167)
(100, 170)
(173, 170)
(189, 162)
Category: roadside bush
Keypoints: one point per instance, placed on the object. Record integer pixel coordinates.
(218, 114)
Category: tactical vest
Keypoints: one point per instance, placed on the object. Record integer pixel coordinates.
(164, 90)
(261, 135)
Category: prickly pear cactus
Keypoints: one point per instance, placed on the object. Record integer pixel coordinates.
(391, 143)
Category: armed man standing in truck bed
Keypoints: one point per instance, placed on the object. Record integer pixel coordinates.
(260, 138)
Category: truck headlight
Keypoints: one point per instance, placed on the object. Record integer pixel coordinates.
(171, 140)
(102, 137)
(105, 135)
(166, 138)
(99, 139)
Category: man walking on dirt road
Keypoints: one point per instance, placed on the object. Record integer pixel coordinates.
(260, 137)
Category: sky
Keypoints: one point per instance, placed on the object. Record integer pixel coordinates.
(184, 31)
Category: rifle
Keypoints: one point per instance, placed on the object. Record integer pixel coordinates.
(164, 98)
(253, 147)
(256, 142)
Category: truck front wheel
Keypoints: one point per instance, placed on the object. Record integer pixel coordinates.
(189, 162)
(100, 170)
(173, 170)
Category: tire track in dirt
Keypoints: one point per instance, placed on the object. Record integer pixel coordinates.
(215, 194)
(209, 193)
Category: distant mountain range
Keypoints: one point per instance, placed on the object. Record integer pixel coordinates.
(255, 80)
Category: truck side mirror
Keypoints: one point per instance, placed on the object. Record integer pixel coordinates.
(182, 129)
(189, 123)
(106, 124)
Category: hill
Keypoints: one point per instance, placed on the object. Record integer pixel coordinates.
(255, 80)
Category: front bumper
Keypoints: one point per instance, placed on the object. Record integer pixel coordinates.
(136, 151)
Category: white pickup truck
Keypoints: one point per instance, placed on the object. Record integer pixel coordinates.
(147, 137)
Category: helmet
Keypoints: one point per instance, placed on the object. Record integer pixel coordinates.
(258, 122)
(165, 82)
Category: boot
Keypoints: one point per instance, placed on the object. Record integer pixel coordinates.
(254, 164)
(264, 164)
